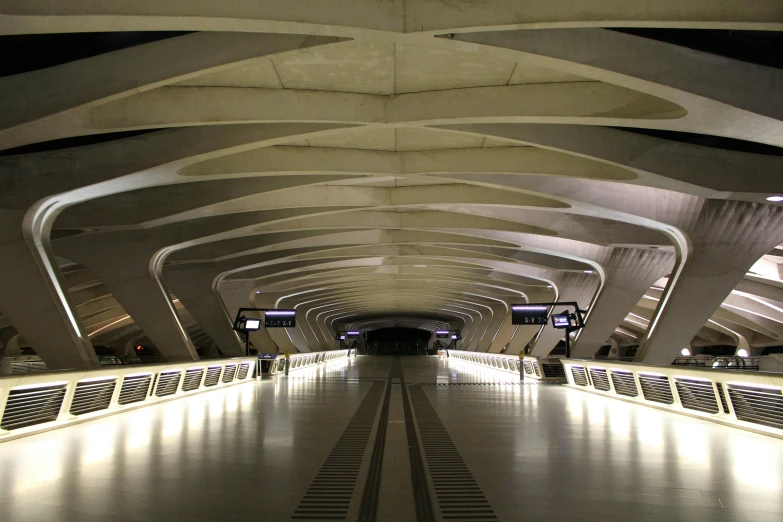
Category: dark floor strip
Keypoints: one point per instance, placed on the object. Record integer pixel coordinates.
(458, 495)
(330, 493)
(421, 495)
(369, 506)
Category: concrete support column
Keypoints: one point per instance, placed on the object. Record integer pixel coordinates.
(629, 273)
(123, 266)
(34, 298)
(727, 239)
(571, 287)
(192, 284)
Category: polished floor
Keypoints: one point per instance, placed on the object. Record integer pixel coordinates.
(249, 452)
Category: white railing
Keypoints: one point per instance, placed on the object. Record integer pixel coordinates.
(35, 402)
(30, 403)
(540, 368)
(298, 361)
(749, 400)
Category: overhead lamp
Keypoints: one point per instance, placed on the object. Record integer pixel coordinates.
(588, 271)
(280, 312)
(685, 352)
(742, 352)
(775, 198)
(441, 331)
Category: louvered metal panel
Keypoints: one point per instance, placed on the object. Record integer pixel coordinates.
(192, 380)
(229, 372)
(213, 375)
(757, 405)
(536, 369)
(168, 383)
(243, 369)
(600, 379)
(553, 370)
(697, 395)
(579, 375)
(624, 383)
(722, 396)
(92, 396)
(528, 367)
(134, 388)
(30, 406)
(656, 388)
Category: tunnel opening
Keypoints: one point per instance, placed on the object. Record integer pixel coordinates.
(397, 341)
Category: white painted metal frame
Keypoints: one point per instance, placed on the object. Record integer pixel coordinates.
(722, 381)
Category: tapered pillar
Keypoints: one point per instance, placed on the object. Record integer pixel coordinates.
(727, 239)
(629, 273)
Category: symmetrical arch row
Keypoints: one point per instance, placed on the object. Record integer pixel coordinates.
(411, 163)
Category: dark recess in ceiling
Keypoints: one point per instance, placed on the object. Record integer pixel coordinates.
(31, 52)
(706, 140)
(759, 47)
(76, 141)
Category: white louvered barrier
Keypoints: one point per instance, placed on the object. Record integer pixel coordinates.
(31, 403)
(37, 402)
(540, 368)
(307, 360)
(748, 400)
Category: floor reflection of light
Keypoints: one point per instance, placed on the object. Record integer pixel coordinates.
(757, 464)
(620, 423)
(692, 442)
(650, 429)
(43, 465)
(172, 420)
(574, 407)
(140, 433)
(99, 443)
(595, 412)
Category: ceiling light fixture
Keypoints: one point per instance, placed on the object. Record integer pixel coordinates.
(775, 198)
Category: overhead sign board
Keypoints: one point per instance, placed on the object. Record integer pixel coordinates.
(442, 334)
(530, 315)
(280, 318)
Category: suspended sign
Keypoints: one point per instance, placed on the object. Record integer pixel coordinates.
(442, 334)
(280, 318)
(353, 334)
(535, 315)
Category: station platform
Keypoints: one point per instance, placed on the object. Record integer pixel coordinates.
(410, 438)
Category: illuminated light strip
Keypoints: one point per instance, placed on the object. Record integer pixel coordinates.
(689, 378)
(39, 385)
(754, 385)
(280, 312)
(94, 379)
(527, 307)
(108, 325)
(441, 331)
(652, 373)
(353, 333)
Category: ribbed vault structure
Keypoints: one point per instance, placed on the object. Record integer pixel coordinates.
(415, 163)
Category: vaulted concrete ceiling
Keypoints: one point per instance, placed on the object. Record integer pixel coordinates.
(372, 163)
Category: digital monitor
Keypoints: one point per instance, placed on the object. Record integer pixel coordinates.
(454, 337)
(252, 324)
(342, 338)
(280, 318)
(561, 321)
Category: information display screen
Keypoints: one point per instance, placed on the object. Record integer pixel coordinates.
(252, 324)
(442, 334)
(529, 315)
(280, 318)
(561, 321)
